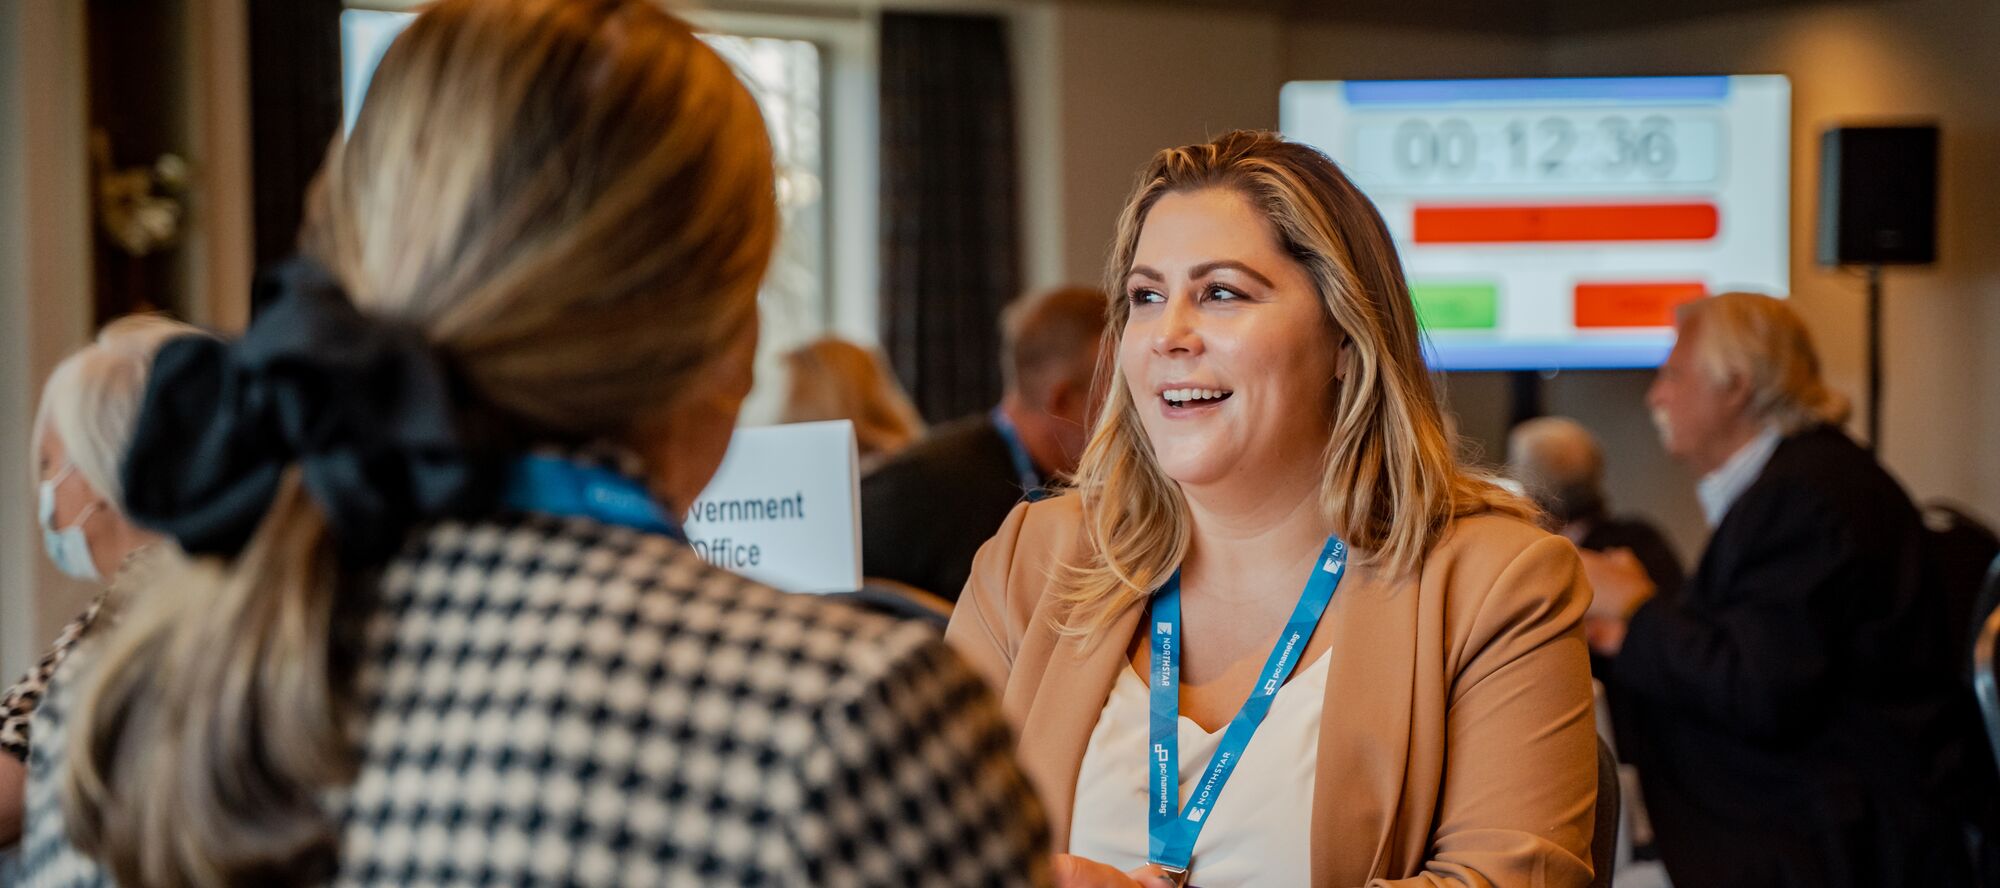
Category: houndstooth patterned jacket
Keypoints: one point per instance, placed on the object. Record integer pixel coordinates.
(561, 702)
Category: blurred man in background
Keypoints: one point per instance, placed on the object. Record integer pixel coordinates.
(1797, 696)
(1561, 466)
(925, 513)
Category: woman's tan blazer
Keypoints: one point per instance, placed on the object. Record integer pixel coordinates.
(1458, 746)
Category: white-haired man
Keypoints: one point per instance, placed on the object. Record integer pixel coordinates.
(1797, 696)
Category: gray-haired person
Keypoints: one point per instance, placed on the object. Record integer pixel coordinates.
(1798, 697)
(1561, 466)
(82, 427)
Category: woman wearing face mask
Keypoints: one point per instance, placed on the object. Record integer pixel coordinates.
(437, 623)
(81, 429)
(1278, 636)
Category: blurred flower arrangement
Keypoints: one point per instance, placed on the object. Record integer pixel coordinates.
(142, 208)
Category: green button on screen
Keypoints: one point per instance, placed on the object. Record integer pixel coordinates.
(1457, 306)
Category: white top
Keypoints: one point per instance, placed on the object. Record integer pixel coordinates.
(1260, 830)
(1719, 489)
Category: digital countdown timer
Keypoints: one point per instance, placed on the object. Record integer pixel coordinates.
(1516, 150)
(1556, 223)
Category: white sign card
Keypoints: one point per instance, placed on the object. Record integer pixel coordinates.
(784, 508)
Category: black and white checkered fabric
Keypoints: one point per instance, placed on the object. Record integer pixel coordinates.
(560, 702)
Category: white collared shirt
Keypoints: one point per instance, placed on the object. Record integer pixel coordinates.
(1719, 489)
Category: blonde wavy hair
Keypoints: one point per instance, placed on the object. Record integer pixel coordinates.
(1761, 341)
(573, 201)
(1392, 484)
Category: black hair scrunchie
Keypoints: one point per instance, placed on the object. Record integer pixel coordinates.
(365, 407)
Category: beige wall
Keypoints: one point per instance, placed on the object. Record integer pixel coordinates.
(1135, 78)
(1130, 78)
(17, 572)
(1928, 58)
(215, 102)
(45, 244)
(1105, 84)
(44, 291)
(1374, 52)
(1848, 63)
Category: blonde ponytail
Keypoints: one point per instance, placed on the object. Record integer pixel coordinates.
(220, 696)
(569, 205)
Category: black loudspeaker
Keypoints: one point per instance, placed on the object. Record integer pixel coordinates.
(1878, 195)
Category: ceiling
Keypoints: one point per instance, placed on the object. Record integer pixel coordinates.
(1529, 18)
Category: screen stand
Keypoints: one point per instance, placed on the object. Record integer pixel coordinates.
(1525, 386)
(1875, 359)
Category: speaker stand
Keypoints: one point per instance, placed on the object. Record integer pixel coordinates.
(1524, 388)
(1875, 359)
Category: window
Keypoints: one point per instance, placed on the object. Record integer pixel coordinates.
(814, 80)
(784, 75)
(814, 76)
(795, 304)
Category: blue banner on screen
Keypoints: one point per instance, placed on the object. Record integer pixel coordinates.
(1557, 223)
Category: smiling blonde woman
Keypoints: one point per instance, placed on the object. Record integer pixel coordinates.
(1423, 716)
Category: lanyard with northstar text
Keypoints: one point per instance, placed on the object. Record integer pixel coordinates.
(1170, 828)
(554, 486)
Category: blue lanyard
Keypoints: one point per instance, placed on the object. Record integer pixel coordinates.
(1170, 839)
(1024, 466)
(555, 486)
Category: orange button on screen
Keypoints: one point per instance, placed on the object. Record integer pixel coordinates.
(1649, 304)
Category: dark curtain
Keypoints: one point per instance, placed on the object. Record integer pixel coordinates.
(950, 243)
(136, 66)
(294, 111)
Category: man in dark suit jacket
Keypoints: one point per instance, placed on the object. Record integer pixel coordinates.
(925, 513)
(1797, 697)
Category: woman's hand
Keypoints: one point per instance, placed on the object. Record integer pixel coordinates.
(1619, 585)
(1072, 871)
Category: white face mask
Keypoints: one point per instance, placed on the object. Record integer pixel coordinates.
(68, 547)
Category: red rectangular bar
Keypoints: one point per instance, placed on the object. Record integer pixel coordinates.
(1634, 305)
(1517, 224)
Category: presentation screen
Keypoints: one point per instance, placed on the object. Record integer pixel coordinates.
(1556, 223)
